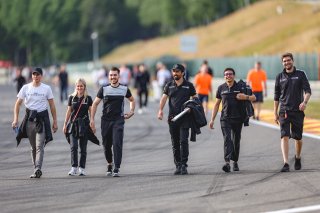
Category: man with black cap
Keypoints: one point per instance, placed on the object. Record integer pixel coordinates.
(178, 91)
(36, 123)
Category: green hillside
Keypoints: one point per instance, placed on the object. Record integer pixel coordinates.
(255, 30)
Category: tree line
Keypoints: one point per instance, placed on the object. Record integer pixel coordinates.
(52, 31)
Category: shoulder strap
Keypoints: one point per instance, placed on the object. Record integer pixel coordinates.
(74, 118)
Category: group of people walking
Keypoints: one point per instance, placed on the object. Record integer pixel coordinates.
(292, 93)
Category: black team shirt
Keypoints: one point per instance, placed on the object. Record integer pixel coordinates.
(113, 101)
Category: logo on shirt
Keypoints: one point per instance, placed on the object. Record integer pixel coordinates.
(186, 87)
(36, 94)
(294, 78)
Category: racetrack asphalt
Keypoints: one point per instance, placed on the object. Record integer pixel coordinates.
(147, 183)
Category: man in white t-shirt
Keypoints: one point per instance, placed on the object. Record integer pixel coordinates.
(36, 123)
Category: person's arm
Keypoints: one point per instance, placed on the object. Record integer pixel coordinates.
(162, 104)
(16, 112)
(303, 105)
(132, 107)
(93, 113)
(244, 97)
(54, 114)
(67, 118)
(214, 113)
(275, 111)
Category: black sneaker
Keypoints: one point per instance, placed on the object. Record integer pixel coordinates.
(116, 172)
(184, 170)
(285, 168)
(235, 166)
(36, 174)
(178, 170)
(109, 171)
(226, 167)
(297, 163)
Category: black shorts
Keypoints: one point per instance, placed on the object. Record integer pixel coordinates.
(292, 124)
(203, 98)
(259, 97)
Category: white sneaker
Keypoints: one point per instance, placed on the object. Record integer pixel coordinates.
(140, 111)
(82, 172)
(116, 172)
(73, 171)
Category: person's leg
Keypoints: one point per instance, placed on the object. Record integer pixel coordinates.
(175, 141)
(146, 98)
(40, 138)
(61, 94)
(74, 151)
(297, 119)
(228, 145)
(83, 151)
(236, 137)
(285, 148)
(285, 135)
(258, 108)
(31, 132)
(184, 149)
(117, 139)
(106, 133)
(205, 107)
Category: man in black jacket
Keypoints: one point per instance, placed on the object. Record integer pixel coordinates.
(231, 119)
(178, 91)
(292, 91)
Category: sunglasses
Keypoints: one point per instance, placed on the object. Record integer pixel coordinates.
(35, 73)
(228, 74)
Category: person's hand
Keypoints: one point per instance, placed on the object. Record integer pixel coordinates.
(241, 96)
(276, 118)
(93, 126)
(54, 126)
(64, 129)
(160, 115)
(14, 124)
(302, 106)
(128, 115)
(211, 125)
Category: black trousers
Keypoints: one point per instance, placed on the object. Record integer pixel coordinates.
(141, 102)
(180, 145)
(74, 144)
(112, 137)
(231, 134)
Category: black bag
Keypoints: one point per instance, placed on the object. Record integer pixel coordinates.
(69, 127)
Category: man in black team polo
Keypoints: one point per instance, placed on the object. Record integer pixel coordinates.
(178, 91)
(112, 120)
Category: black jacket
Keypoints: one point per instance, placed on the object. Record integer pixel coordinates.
(41, 118)
(196, 118)
(247, 109)
(289, 88)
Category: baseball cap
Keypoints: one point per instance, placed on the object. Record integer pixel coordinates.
(178, 67)
(37, 70)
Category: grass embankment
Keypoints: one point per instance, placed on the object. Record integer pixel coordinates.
(312, 110)
(255, 30)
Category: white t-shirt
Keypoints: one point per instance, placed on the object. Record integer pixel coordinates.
(36, 98)
(163, 75)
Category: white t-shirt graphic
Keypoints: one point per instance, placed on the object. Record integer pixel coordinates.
(36, 98)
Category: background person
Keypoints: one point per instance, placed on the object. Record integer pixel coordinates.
(202, 82)
(64, 83)
(257, 80)
(231, 119)
(36, 123)
(292, 91)
(113, 118)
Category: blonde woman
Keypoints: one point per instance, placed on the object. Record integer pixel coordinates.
(79, 107)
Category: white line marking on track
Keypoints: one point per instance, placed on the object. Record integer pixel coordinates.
(300, 209)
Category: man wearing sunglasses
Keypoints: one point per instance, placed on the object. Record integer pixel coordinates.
(36, 123)
(231, 119)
